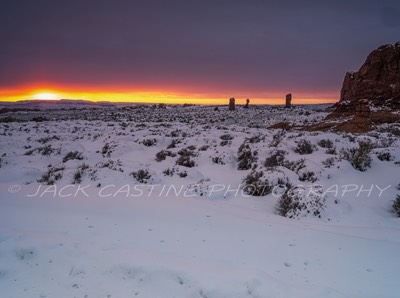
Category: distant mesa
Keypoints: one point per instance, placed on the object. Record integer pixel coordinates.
(372, 94)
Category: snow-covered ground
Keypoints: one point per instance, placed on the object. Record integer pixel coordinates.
(78, 217)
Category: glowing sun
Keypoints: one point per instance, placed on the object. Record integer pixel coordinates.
(46, 96)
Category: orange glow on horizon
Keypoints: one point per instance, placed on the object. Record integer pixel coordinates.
(114, 94)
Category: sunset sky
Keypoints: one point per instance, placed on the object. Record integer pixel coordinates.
(187, 51)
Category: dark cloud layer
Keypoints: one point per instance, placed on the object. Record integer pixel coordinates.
(194, 45)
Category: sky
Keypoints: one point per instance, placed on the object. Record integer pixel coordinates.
(188, 51)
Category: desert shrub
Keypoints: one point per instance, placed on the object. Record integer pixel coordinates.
(246, 157)
(204, 148)
(183, 174)
(44, 140)
(185, 161)
(72, 155)
(77, 177)
(79, 173)
(384, 156)
(149, 142)
(225, 143)
(297, 202)
(226, 137)
(255, 139)
(331, 151)
(162, 155)
(45, 151)
(329, 162)
(175, 133)
(30, 152)
(396, 206)
(295, 166)
(394, 130)
(52, 175)
(255, 184)
(277, 138)
(359, 157)
(308, 176)
(277, 158)
(115, 165)
(8, 119)
(173, 143)
(108, 149)
(141, 176)
(169, 172)
(304, 147)
(185, 157)
(326, 143)
(186, 152)
(218, 160)
(39, 119)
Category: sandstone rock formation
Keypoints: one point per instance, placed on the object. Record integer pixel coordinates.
(371, 95)
(288, 102)
(378, 79)
(231, 104)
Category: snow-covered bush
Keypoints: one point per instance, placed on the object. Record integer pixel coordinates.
(185, 161)
(45, 151)
(384, 156)
(141, 176)
(277, 138)
(255, 139)
(8, 119)
(256, 184)
(162, 155)
(328, 145)
(277, 158)
(325, 143)
(52, 174)
(331, 151)
(219, 160)
(169, 172)
(115, 165)
(183, 174)
(48, 150)
(329, 162)
(185, 157)
(297, 202)
(359, 157)
(295, 166)
(173, 143)
(149, 142)
(308, 176)
(226, 139)
(396, 206)
(246, 157)
(108, 149)
(45, 140)
(79, 173)
(204, 148)
(304, 147)
(72, 155)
